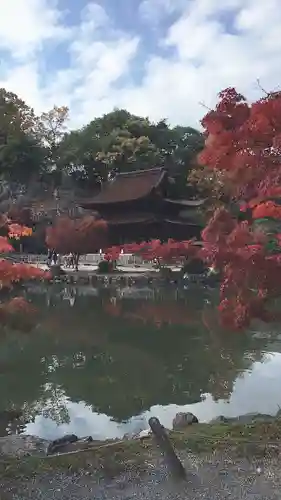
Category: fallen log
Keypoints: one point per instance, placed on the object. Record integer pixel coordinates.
(166, 446)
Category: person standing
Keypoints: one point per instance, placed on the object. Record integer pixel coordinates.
(55, 257)
(49, 257)
(58, 259)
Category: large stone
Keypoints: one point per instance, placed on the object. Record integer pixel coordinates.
(219, 420)
(182, 420)
(58, 444)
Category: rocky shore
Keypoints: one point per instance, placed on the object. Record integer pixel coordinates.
(226, 459)
(22, 445)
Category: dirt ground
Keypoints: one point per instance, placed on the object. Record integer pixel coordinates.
(214, 477)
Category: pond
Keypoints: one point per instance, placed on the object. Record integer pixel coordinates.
(100, 362)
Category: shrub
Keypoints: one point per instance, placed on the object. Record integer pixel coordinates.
(105, 267)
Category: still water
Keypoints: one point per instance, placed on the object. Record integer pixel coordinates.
(100, 362)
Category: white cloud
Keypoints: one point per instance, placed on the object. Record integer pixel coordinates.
(208, 58)
(26, 24)
(153, 11)
(213, 44)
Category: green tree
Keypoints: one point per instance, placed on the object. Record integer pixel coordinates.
(120, 141)
(21, 155)
(15, 115)
(21, 158)
(50, 129)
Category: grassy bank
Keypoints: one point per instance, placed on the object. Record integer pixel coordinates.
(112, 458)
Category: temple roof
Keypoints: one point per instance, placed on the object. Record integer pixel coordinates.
(182, 222)
(130, 218)
(128, 186)
(186, 203)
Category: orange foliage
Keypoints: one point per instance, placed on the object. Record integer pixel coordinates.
(15, 272)
(11, 272)
(17, 231)
(245, 146)
(267, 209)
(244, 143)
(168, 252)
(78, 236)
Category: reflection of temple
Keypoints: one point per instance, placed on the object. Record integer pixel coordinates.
(137, 207)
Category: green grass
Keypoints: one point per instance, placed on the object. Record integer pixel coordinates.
(112, 458)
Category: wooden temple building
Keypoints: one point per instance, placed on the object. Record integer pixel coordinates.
(137, 207)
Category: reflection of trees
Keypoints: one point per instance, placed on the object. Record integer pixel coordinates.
(163, 313)
(24, 380)
(51, 404)
(229, 354)
(21, 375)
(112, 355)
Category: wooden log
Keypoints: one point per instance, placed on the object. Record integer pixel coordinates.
(166, 446)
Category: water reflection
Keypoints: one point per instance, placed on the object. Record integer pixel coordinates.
(103, 363)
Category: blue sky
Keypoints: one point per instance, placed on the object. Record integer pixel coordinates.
(157, 58)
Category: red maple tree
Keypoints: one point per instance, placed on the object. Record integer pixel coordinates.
(77, 236)
(163, 253)
(11, 273)
(243, 141)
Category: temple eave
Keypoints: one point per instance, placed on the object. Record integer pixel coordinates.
(182, 222)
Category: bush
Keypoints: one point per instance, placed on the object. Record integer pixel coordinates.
(195, 266)
(105, 267)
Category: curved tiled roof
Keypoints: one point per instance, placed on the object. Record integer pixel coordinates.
(186, 203)
(130, 218)
(128, 186)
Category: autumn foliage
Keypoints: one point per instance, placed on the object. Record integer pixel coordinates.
(79, 236)
(11, 273)
(243, 142)
(154, 250)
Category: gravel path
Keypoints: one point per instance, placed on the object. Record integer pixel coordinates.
(214, 478)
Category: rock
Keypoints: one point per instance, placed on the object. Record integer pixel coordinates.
(19, 445)
(60, 443)
(248, 418)
(219, 420)
(182, 420)
(70, 442)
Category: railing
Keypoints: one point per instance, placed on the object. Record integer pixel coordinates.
(88, 259)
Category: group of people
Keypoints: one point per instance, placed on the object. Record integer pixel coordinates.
(54, 258)
(71, 260)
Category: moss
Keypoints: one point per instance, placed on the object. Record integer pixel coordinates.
(109, 459)
(241, 439)
(112, 458)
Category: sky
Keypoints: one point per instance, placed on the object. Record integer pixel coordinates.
(156, 58)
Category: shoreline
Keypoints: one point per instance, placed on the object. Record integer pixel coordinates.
(127, 275)
(255, 439)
